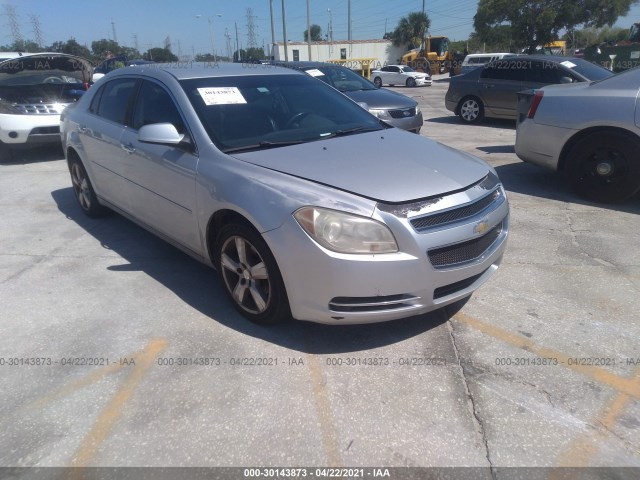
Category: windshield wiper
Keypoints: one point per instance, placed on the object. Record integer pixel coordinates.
(262, 145)
(349, 131)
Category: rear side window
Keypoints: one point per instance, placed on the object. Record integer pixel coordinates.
(115, 98)
(513, 70)
(155, 105)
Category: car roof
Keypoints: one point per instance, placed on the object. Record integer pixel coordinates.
(191, 70)
(304, 64)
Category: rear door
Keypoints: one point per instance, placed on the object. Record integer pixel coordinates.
(100, 132)
(499, 84)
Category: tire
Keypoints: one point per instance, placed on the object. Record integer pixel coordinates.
(83, 190)
(6, 154)
(250, 275)
(377, 81)
(471, 110)
(411, 82)
(605, 167)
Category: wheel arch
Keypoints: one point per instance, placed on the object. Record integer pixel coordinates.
(582, 134)
(218, 220)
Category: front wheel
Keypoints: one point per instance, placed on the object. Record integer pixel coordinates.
(377, 82)
(604, 167)
(471, 110)
(85, 195)
(250, 275)
(411, 82)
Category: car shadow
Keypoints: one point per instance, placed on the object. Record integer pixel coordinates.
(487, 122)
(36, 154)
(497, 149)
(528, 179)
(199, 286)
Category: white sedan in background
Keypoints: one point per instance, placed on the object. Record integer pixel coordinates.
(399, 75)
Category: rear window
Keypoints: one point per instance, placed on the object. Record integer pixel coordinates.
(587, 69)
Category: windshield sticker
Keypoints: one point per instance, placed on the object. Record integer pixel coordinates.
(221, 95)
(635, 54)
(568, 64)
(314, 72)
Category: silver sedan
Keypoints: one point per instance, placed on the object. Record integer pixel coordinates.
(590, 131)
(294, 193)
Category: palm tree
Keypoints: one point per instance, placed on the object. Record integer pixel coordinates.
(411, 30)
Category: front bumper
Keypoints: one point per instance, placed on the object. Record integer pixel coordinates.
(423, 81)
(16, 130)
(332, 288)
(413, 124)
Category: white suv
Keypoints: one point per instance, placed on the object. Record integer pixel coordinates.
(34, 89)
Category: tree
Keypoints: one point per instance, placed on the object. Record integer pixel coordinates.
(316, 33)
(536, 22)
(101, 48)
(23, 46)
(160, 55)
(411, 30)
(71, 47)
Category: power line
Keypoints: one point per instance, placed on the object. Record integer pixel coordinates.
(37, 30)
(251, 29)
(14, 26)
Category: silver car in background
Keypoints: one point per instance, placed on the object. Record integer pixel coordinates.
(294, 193)
(590, 131)
(392, 107)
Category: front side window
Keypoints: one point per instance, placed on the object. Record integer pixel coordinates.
(155, 105)
(115, 99)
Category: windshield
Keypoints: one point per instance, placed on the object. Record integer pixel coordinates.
(407, 69)
(341, 78)
(266, 111)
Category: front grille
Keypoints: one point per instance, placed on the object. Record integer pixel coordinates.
(455, 287)
(465, 251)
(40, 108)
(403, 113)
(450, 216)
(371, 304)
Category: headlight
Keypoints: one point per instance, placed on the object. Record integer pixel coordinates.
(380, 113)
(418, 110)
(345, 233)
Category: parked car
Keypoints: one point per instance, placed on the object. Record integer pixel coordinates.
(34, 89)
(305, 203)
(392, 107)
(400, 75)
(477, 60)
(491, 91)
(590, 131)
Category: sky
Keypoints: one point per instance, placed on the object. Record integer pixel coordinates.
(193, 26)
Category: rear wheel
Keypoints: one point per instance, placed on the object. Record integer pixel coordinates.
(83, 190)
(604, 167)
(471, 110)
(377, 82)
(250, 275)
(411, 82)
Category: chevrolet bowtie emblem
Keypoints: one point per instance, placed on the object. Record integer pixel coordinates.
(481, 227)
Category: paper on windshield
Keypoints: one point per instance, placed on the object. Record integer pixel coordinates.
(314, 72)
(568, 64)
(221, 95)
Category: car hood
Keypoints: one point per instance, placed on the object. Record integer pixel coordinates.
(381, 98)
(390, 166)
(30, 68)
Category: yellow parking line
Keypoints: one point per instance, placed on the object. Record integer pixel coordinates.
(628, 386)
(582, 450)
(323, 406)
(110, 414)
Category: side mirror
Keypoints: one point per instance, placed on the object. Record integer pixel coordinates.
(163, 133)
(364, 105)
(566, 80)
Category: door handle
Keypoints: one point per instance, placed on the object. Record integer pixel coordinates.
(488, 86)
(82, 129)
(127, 148)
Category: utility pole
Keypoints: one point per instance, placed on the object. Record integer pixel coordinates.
(238, 44)
(37, 30)
(113, 29)
(10, 11)
(308, 31)
(330, 33)
(228, 37)
(284, 32)
(251, 29)
(349, 25)
(273, 32)
(135, 41)
(422, 45)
